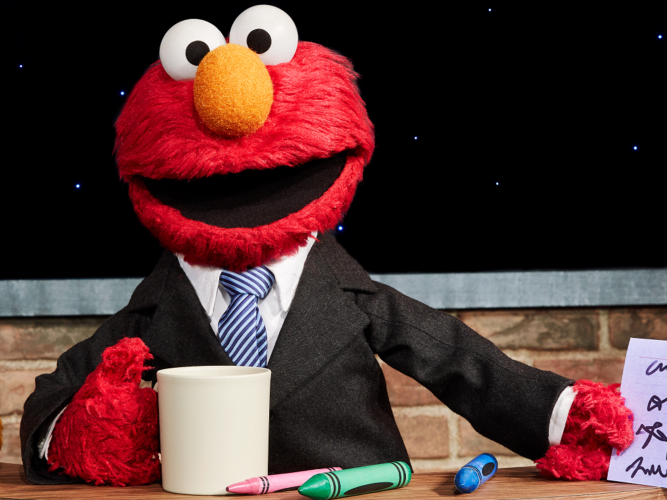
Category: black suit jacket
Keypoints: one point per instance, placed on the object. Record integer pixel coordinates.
(329, 404)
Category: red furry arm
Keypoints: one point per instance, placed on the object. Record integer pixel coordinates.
(109, 432)
(598, 421)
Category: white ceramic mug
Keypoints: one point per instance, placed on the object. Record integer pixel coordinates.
(214, 427)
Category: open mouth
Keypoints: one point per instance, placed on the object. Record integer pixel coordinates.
(250, 198)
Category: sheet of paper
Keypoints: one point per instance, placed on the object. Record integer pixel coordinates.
(644, 387)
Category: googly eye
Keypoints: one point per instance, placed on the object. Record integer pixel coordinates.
(185, 45)
(268, 31)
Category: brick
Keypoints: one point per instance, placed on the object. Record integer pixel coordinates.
(608, 371)
(43, 338)
(11, 444)
(546, 329)
(643, 323)
(424, 436)
(471, 443)
(405, 391)
(15, 387)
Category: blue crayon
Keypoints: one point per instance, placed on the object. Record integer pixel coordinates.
(475, 473)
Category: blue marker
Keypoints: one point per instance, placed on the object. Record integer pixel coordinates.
(475, 473)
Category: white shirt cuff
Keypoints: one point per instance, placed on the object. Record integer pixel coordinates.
(43, 447)
(559, 415)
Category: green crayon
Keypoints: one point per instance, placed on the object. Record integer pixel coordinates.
(348, 482)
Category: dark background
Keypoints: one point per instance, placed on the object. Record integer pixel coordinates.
(526, 120)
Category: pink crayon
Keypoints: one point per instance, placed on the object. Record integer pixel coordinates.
(276, 482)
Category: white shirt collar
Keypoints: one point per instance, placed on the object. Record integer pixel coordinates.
(287, 271)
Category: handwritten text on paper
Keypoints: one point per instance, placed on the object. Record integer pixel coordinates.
(644, 387)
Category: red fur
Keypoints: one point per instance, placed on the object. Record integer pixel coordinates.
(109, 432)
(598, 421)
(317, 112)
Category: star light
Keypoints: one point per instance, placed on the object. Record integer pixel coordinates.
(497, 184)
(77, 186)
(634, 147)
(415, 138)
(489, 10)
(20, 65)
(340, 228)
(122, 92)
(659, 37)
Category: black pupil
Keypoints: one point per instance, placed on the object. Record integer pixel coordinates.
(195, 52)
(259, 41)
(488, 469)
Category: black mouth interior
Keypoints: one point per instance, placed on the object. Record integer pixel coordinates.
(250, 198)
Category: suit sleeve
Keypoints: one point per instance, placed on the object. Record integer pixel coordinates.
(504, 400)
(55, 390)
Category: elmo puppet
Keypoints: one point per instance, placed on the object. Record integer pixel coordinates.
(244, 152)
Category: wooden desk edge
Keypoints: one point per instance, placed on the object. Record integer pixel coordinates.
(424, 486)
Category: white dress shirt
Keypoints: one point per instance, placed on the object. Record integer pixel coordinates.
(273, 308)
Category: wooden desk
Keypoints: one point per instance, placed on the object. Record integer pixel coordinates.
(523, 483)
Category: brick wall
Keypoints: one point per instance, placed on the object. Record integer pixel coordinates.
(577, 343)
(30, 347)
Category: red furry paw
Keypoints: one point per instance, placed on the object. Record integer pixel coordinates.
(576, 462)
(109, 432)
(598, 421)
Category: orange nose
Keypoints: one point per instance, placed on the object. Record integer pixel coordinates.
(233, 91)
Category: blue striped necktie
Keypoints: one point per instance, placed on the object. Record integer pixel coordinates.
(241, 329)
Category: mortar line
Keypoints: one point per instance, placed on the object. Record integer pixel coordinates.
(28, 364)
(605, 341)
(11, 418)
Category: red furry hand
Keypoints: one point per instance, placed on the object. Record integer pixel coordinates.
(109, 432)
(598, 421)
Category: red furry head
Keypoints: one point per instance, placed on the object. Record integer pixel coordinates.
(240, 202)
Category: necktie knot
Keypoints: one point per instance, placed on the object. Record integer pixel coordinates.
(256, 281)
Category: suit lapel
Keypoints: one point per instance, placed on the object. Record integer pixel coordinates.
(180, 333)
(323, 319)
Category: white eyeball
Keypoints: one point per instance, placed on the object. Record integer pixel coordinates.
(268, 31)
(185, 45)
